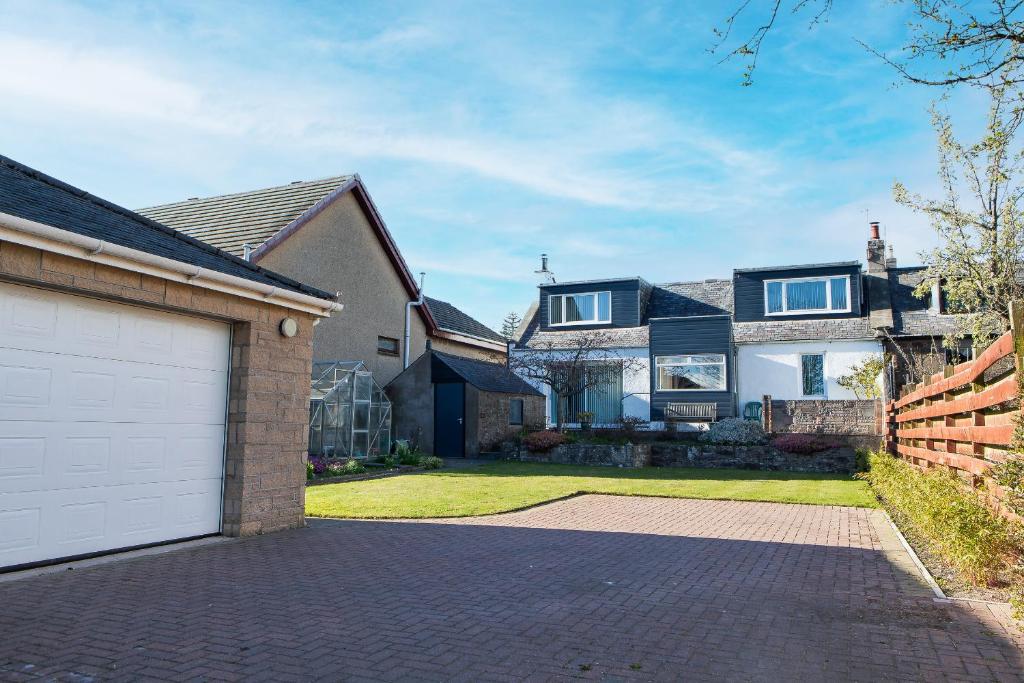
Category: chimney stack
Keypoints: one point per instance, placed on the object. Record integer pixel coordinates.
(876, 250)
(546, 276)
(876, 281)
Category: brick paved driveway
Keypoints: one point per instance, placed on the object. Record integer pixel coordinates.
(594, 587)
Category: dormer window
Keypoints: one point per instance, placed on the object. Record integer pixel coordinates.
(590, 308)
(800, 296)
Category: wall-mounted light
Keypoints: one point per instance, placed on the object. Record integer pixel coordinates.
(289, 327)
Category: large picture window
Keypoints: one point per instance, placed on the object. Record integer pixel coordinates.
(600, 394)
(588, 308)
(697, 372)
(807, 295)
(812, 374)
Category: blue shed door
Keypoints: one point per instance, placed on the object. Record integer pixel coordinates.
(450, 420)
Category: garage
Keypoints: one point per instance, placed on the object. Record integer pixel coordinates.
(113, 425)
(152, 388)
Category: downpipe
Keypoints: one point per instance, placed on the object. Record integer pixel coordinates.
(408, 322)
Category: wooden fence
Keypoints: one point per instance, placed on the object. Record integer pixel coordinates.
(965, 416)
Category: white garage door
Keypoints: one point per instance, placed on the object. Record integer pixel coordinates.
(111, 425)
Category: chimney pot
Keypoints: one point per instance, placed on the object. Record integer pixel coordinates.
(874, 230)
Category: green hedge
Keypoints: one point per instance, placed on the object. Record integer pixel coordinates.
(953, 520)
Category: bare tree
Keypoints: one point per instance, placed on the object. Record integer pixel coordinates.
(974, 42)
(979, 220)
(572, 364)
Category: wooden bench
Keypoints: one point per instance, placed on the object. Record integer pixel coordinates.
(691, 412)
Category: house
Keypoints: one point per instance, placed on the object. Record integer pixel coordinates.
(798, 329)
(454, 406)
(152, 387)
(330, 234)
(677, 338)
(704, 350)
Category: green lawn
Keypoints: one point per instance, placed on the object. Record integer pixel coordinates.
(500, 487)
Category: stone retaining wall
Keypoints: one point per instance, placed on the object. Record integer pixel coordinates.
(827, 417)
(629, 455)
(839, 460)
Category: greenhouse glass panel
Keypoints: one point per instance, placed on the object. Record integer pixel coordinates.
(349, 413)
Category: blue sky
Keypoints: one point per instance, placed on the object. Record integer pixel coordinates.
(601, 133)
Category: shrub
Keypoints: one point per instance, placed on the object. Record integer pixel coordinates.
(804, 444)
(340, 469)
(387, 460)
(631, 423)
(309, 470)
(318, 466)
(735, 430)
(863, 461)
(539, 442)
(953, 520)
(431, 462)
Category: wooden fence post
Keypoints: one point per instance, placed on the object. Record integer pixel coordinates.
(1017, 328)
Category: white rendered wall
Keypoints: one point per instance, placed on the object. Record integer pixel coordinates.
(775, 368)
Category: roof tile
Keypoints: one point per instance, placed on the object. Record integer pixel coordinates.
(35, 196)
(232, 220)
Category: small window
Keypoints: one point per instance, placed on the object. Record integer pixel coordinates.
(580, 309)
(387, 346)
(515, 411)
(812, 374)
(807, 295)
(698, 372)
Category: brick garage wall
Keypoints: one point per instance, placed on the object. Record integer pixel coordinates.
(827, 417)
(493, 411)
(264, 487)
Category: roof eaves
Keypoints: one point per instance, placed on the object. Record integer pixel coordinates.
(303, 218)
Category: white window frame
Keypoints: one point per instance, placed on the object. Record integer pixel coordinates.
(597, 312)
(800, 375)
(658, 365)
(810, 311)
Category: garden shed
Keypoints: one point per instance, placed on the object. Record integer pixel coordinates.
(455, 407)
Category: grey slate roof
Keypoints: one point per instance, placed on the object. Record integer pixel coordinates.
(35, 196)
(233, 220)
(681, 299)
(911, 315)
(451, 319)
(487, 376)
(618, 337)
(800, 330)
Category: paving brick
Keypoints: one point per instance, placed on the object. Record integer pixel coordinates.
(686, 589)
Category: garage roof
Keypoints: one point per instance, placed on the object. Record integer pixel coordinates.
(35, 196)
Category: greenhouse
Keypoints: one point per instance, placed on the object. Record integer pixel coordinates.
(349, 414)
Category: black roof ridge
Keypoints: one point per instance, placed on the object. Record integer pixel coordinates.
(150, 223)
(347, 176)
